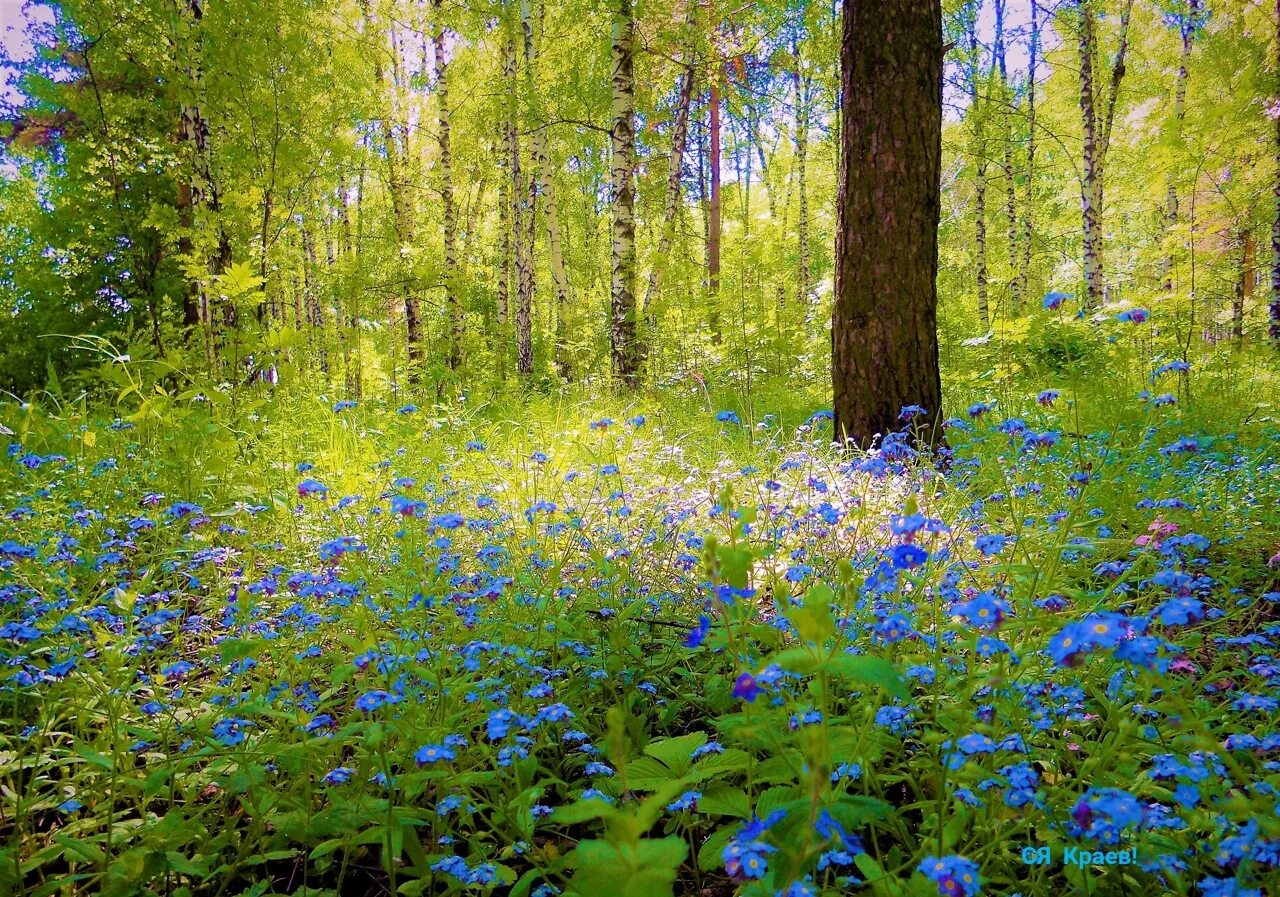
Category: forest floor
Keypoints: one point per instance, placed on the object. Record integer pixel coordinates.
(360, 649)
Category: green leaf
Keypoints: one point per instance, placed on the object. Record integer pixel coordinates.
(732, 760)
(711, 853)
(83, 849)
(866, 670)
(722, 800)
(801, 661)
(876, 878)
(583, 811)
(775, 798)
(645, 869)
(813, 621)
(677, 753)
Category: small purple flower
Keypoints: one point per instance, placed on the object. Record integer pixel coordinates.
(745, 688)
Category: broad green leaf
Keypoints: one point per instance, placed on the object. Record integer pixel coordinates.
(645, 869)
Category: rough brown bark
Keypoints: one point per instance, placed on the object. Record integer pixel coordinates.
(884, 324)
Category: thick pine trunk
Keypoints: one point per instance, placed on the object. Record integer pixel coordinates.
(622, 316)
(454, 356)
(884, 324)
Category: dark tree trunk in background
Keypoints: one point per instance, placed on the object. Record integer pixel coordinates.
(884, 341)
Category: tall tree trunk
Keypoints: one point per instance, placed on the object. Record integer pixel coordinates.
(512, 190)
(884, 324)
(675, 166)
(545, 188)
(1097, 140)
(1273, 331)
(505, 244)
(453, 358)
(526, 235)
(622, 318)
(1006, 121)
(402, 211)
(714, 162)
(352, 363)
(1024, 268)
(1089, 185)
(1188, 26)
(800, 85)
(1244, 283)
(978, 153)
(202, 191)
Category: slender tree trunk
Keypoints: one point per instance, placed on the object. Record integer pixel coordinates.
(264, 242)
(352, 363)
(402, 212)
(202, 189)
(675, 166)
(800, 85)
(1273, 331)
(505, 245)
(453, 358)
(1025, 268)
(1244, 283)
(1188, 29)
(1089, 192)
(978, 153)
(1097, 141)
(622, 321)
(545, 188)
(512, 190)
(1011, 194)
(526, 234)
(884, 324)
(714, 161)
